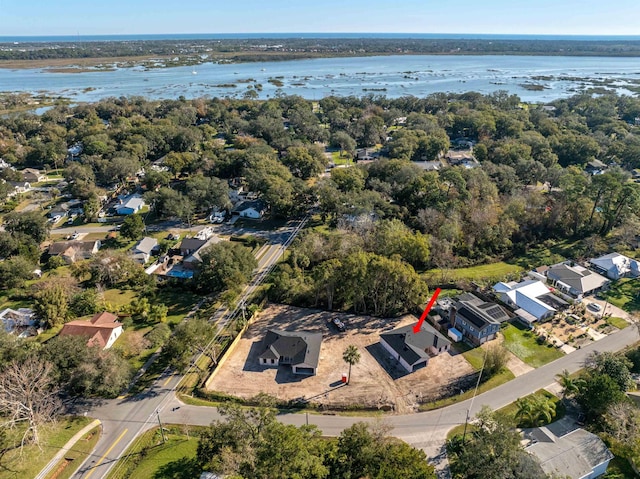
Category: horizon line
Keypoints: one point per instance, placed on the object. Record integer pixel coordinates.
(369, 33)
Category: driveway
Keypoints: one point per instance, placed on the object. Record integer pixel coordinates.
(608, 308)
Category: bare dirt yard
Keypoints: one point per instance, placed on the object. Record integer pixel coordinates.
(372, 384)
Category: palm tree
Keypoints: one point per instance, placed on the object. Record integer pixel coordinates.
(570, 386)
(535, 411)
(351, 356)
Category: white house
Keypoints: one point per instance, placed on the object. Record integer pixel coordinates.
(576, 454)
(143, 249)
(18, 187)
(101, 331)
(130, 205)
(250, 209)
(530, 299)
(615, 266)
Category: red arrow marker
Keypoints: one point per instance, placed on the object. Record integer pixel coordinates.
(418, 326)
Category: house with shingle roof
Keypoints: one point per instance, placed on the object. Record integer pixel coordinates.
(101, 331)
(412, 350)
(299, 349)
(478, 320)
(72, 251)
(568, 452)
(576, 280)
(143, 249)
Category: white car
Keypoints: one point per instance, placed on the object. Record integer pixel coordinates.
(594, 307)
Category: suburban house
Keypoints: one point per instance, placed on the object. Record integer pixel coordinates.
(299, 349)
(615, 266)
(130, 205)
(412, 350)
(143, 249)
(575, 280)
(478, 320)
(595, 167)
(531, 300)
(15, 320)
(32, 175)
(250, 209)
(102, 330)
(568, 451)
(18, 187)
(192, 260)
(72, 251)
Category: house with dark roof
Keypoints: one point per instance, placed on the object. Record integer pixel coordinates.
(412, 350)
(564, 450)
(72, 251)
(299, 349)
(101, 331)
(576, 280)
(595, 167)
(250, 209)
(478, 320)
(32, 175)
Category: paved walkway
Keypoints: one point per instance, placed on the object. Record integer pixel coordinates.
(70, 443)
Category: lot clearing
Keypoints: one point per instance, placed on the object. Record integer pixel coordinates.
(372, 385)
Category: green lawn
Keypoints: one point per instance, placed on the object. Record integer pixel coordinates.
(617, 322)
(150, 458)
(33, 459)
(345, 159)
(493, 382)
(179, 302)
(77, 455)
(625, 294)
(487, 273)
(119, 297)
(524, 345)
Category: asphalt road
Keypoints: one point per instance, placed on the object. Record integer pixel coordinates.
(125, 419)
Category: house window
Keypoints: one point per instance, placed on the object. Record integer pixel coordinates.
(273, 361)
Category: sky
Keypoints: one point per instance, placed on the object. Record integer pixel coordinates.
(536, 17)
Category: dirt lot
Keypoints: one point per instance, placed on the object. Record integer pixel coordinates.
(372, 385)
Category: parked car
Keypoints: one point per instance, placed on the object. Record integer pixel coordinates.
(338, 324)
(594, 307)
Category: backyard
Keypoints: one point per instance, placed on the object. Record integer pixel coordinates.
(625, 294)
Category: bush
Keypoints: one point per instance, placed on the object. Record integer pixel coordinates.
(158, 335)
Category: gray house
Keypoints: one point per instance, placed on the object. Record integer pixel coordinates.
(412, 350)
(299, 349)
(478, 320)
(576, 280)
(575, 454)
(144, 248)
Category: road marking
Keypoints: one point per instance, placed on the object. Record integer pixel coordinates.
(168, 379)
(93, 469)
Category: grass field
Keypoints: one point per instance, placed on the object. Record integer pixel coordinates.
(503, 377)
(524, 345)
(33, 459)
(625, 294)
(486, 273)
(77, 455)
(617, 322)
(149, 457)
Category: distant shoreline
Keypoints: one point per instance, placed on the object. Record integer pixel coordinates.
(309, 35)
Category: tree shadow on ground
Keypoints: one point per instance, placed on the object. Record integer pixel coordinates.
(184, 468)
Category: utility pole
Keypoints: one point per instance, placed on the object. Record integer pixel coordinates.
(466, 420)
(164, 439)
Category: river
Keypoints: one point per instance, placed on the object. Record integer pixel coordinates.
(392, 76)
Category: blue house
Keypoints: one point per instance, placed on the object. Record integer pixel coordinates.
(477, 320)
(130, 205)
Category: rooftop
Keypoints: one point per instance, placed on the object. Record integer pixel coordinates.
(412, 346)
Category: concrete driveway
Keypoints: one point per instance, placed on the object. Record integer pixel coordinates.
(608, 308)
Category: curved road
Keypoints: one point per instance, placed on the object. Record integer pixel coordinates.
(123, 420)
